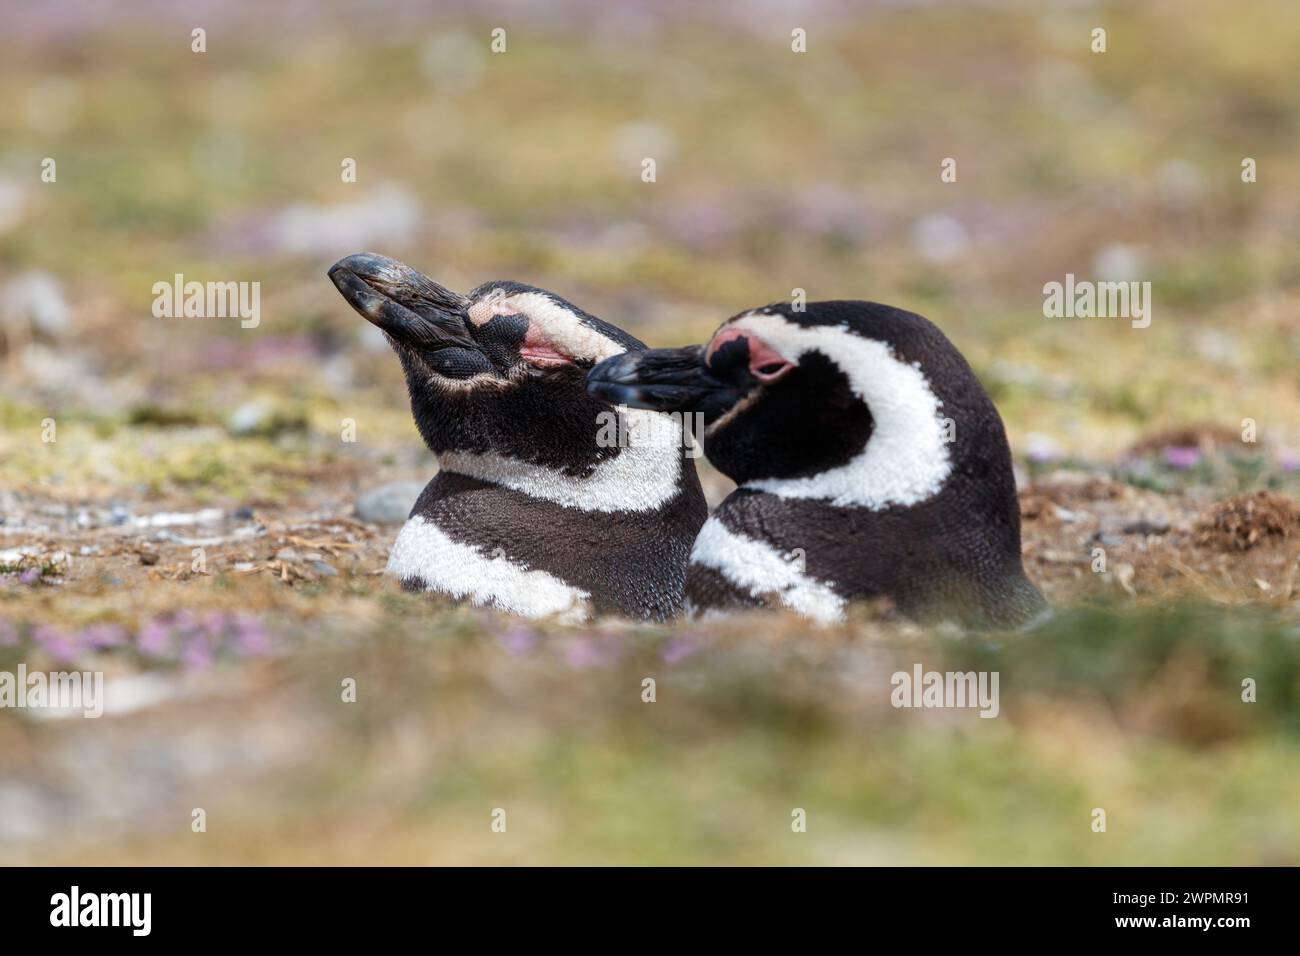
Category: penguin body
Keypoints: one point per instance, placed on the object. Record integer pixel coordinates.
(869, 460)
(547, 501)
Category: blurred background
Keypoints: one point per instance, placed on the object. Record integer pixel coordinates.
(775, 170)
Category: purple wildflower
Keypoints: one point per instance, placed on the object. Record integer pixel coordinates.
(60, 645)
(155, 639)
(518, 639)
(30, 576)
(215, 625)
(584, 652)
(1182, 457)
(680, 648)
(599, 650)
(250, 637)
(197, 654)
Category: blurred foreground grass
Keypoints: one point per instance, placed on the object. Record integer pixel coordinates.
(459, 714)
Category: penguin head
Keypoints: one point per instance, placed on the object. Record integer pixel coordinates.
(855, 402)
(500, 370)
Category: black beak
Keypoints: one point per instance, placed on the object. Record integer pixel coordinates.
(662, 380)
(406, 304)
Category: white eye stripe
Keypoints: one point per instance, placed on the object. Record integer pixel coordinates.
(559, 326)
(907, 458)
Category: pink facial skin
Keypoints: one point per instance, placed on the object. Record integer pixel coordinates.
(765, 363)
(537, 350)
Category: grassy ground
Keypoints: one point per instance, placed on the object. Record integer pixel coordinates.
(775, 171)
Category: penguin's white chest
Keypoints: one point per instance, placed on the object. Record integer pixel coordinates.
(426, 553)
(760, 569)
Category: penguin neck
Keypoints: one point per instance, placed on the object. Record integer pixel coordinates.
(645, 474)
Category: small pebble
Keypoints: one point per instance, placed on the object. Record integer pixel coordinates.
(390, 503)
(248, 419)
(1146, 526)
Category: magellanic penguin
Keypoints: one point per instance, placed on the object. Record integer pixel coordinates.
(540, 506)
(870, 462)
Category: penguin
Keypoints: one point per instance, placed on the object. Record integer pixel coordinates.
(869, 461)
(547, 502)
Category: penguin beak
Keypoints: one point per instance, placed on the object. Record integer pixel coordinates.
(408, 305)
(662, 380)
